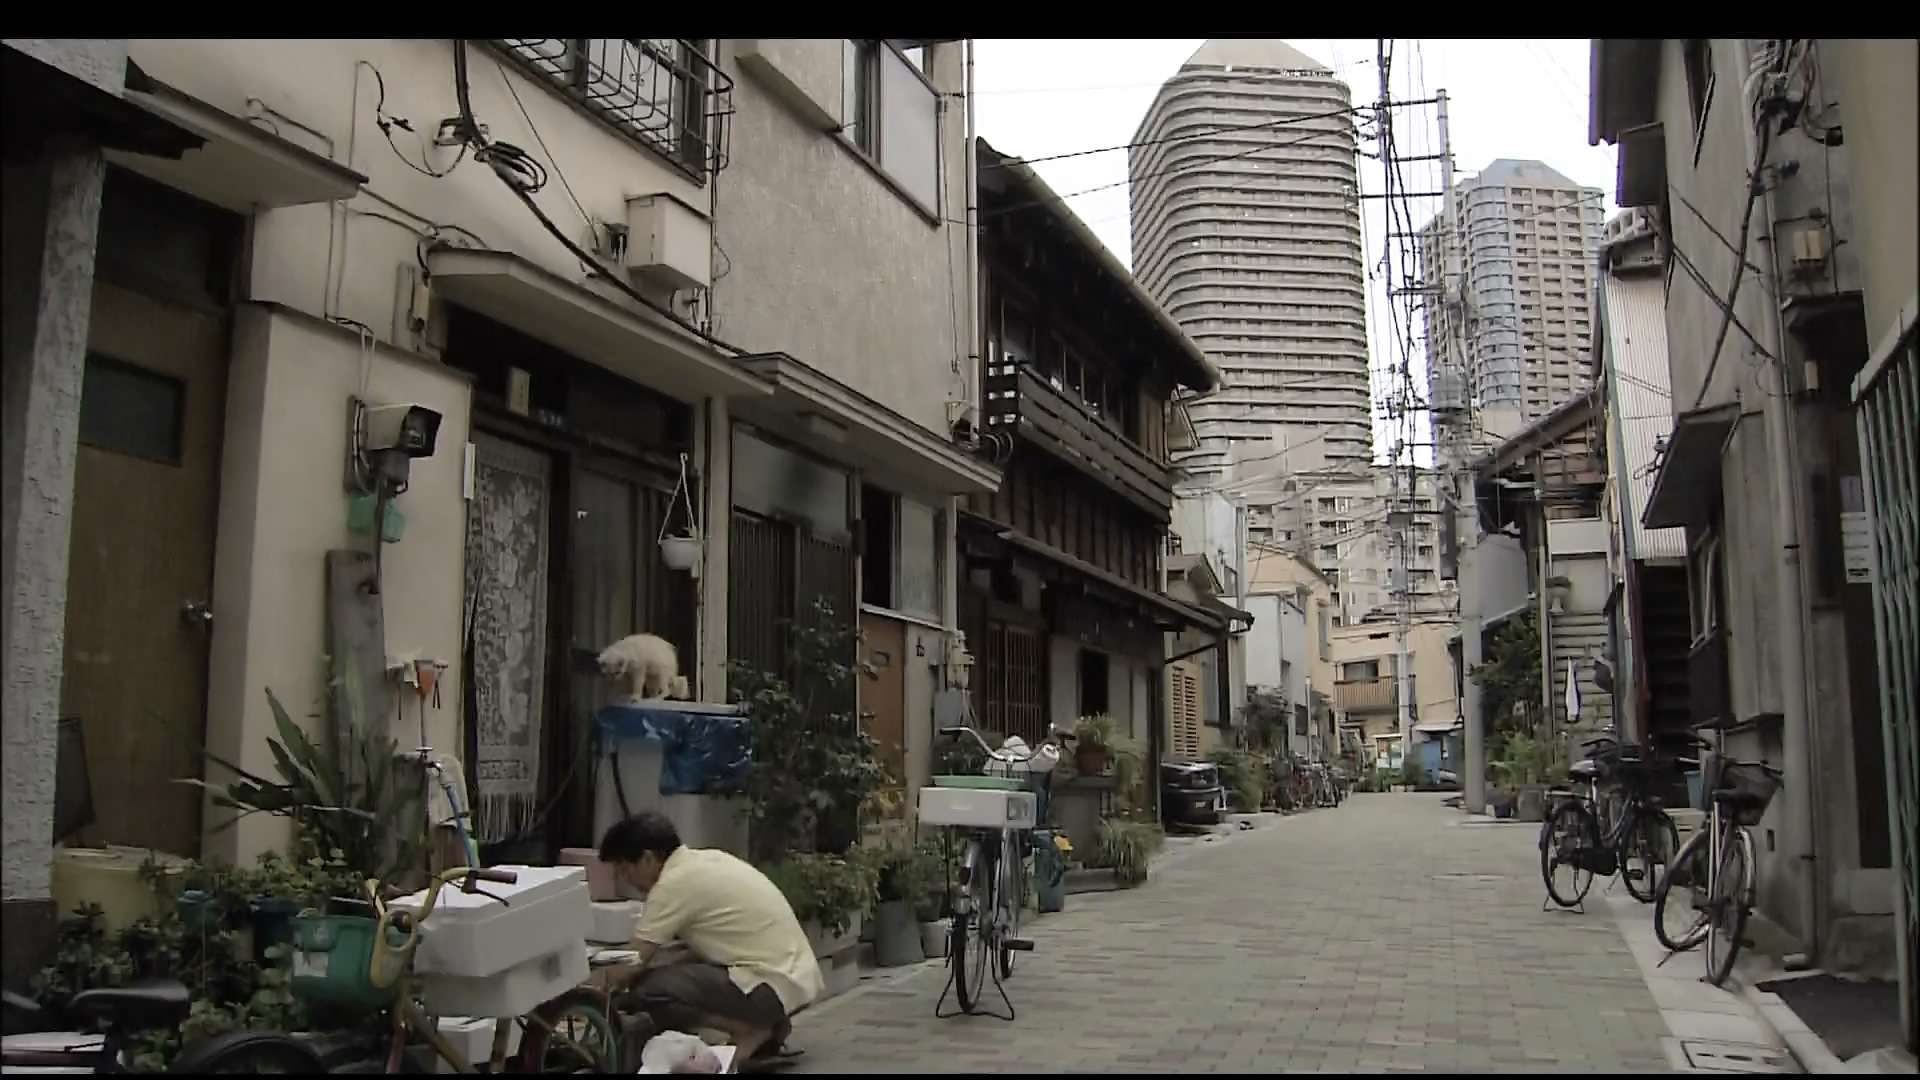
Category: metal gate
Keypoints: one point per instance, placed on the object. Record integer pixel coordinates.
(1887, 399)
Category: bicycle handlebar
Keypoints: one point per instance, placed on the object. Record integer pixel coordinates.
(997, 755)
(469, 877)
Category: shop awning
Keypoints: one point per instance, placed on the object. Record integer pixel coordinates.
(239, 166)
(1688, 483)
(835, 419)
(577, 319)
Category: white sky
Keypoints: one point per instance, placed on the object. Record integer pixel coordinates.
(1516, 98)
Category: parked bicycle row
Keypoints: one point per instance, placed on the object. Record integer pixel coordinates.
(1609, 822)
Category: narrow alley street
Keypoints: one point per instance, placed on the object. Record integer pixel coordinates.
(1388, 933)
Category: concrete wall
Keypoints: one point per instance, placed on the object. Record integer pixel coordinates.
(1272, 570)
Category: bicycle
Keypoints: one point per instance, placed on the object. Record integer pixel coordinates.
(1622, 831)
(1737, 794)
(986, 906)
(150, 1005)
(388, 978)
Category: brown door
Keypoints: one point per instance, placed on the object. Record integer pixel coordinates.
(140, 564)
(884, 696)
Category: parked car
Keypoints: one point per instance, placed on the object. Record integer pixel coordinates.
(1191, 793)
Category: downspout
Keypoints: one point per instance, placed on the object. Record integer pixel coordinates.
(1781, 409)
(970, 371)
(1544, 612)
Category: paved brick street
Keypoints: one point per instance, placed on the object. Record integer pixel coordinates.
(1385, 934)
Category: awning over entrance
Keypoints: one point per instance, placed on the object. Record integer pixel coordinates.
(239, 166)
(1688, 483)
(1169, 613)
(841, 422)
(570, 316)
(43, 103)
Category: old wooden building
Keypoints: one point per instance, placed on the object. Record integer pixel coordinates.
(1062, 591)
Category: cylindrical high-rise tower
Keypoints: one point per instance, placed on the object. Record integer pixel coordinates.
(1246, 227)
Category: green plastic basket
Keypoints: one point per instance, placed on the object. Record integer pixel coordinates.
(332, 958)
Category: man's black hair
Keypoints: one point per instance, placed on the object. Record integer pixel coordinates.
(644, 832)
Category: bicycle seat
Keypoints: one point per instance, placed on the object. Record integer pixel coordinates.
(154, 1003)
(1585, 769)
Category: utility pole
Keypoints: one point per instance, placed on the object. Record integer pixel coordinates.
(1457, 489)
(1398, 519)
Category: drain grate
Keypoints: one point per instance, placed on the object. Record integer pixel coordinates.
(1736, 1057)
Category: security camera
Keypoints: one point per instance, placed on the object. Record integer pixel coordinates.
(407, 429)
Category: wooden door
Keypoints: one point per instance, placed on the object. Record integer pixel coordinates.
(140, 563)
(883, 697)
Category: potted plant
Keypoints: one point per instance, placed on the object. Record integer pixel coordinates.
(1095, 737)
(931, 875)
(1128, 847)
(896, 924)
(829, 894)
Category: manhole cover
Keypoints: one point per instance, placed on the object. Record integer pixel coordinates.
(1469, 877)
(1736, 1057)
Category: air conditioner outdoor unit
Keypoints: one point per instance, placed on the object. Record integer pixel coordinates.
(669, 242)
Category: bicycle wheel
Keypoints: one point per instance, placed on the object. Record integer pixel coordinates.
(238, 1053)
(968, 948)
(1727, 907)
(573, 1033)
(1649, 842)
(1567, 838)
(1685, 872)
(1012, 899)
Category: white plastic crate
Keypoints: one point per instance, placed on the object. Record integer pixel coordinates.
(613, 921)
(472, 935)
(513, 992)
(473, 1037)
(977, 808)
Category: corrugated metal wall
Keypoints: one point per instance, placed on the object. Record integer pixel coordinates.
(1635, 323)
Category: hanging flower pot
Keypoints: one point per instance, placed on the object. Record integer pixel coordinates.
(681, 552)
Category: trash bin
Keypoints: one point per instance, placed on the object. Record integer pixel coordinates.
(1049, 872)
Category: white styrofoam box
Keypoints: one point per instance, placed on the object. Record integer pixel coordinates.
(474, 935)
(703, 821)
(473, 1037)
(613, 921)
(42, 1042)
(516, 991)
(976, 808)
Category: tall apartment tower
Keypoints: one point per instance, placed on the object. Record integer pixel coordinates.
(1246, 228)
(1527, 256)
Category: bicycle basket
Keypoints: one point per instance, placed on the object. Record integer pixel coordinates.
(1747, 790)
(331, 962)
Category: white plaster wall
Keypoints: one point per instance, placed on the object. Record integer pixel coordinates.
(99, 62)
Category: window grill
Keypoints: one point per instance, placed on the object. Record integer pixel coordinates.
(664, 92)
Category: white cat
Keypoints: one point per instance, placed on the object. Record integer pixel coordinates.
(646, 666)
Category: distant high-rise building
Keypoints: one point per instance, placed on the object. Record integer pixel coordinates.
(1526, 265)
(1246, 228)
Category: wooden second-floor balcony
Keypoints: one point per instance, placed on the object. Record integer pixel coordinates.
(1027, 407)
(1370, 695)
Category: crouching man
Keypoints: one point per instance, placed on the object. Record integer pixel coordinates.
(747, 965)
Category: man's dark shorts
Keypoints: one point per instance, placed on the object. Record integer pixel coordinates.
(683, 996)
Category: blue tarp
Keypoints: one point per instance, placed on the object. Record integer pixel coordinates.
(704, 749)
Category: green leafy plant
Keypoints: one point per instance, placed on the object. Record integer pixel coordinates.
(342, 789)
(959, 755)
(1509, 677)
(830, 891)
(1128, 847)
(1239, 774)
(814, 769)
(914, 872)
(1268, 717)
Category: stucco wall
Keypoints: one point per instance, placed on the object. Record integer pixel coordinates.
(842, 271)
(52, 213)
(282, 507)
(99, 62)
(1875, 80)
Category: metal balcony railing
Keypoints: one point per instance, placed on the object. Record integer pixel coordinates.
(663, 92)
